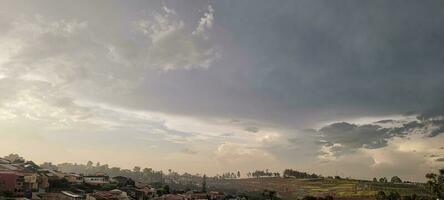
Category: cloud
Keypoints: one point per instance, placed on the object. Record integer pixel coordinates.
(205, 23)
(243, 156)
(439, 160)
(169, 45)
(252, 129)
(188, 151)
(354, 136)
(347, 137)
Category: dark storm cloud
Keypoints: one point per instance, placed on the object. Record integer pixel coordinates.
(371, 136)
(305, 61)
(354, 136)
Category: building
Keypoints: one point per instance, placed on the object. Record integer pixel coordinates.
(139, 193)
(74, 178)
(16, 178)
(45, 196)
(96, 179)
(30, 181)
(108, 195)
(66, 195)
(171, 197)
(63, 195)
(11, 182)
(197, 195)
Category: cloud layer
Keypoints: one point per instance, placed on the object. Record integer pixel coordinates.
(217, 86)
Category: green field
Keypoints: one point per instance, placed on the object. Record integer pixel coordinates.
(292, 188)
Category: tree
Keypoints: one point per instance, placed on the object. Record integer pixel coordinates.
(375, 179)
(59, 183)
(238, 174)
(269, 194)
(48, 165)
(166, 189)
(136, 169)
(394, 196)
(204, 183)
(381, 196)
(15, 158)
(396, 179)
(436, 183)
(383, 180)
(298, 174)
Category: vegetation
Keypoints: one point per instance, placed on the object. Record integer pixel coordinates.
(298, 174)
(263, 173)
(435, 183)
(308, 197)
(396, 179)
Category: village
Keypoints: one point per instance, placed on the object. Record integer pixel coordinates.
(26, 180)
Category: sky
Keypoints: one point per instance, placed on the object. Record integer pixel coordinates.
(345, 88)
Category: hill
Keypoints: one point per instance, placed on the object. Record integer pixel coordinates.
(292, 188)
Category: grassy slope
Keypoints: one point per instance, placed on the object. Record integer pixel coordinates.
(291, 188)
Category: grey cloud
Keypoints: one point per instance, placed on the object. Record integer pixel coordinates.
(354, 136)
(305, 62)
(252, 129)
(385, 121)
(226, 135)
(302, 63)
(188, 151)
(371, 136)
(439, 160)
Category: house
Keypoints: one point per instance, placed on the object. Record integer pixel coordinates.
(145, 193)
(63, 195)
(11, 181)
(4, 161)
(96, 179)
(52, 174)
(108, 195)
(74, 178)
(17, 179)
(43, 181)
(45, 196)
(66, 195)
(30, 181)
(139, 193)
(197, 195)
(171, 197)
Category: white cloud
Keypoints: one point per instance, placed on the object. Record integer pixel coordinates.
(170, 45)
(205, 23)
(244, 156)
(48, 66)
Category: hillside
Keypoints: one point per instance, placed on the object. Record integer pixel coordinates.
(292, 188)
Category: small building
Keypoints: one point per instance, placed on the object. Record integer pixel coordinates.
(96, 179)
(171, 197)
(66, 195)
(108, 195)
(11, 182)
(74, 178)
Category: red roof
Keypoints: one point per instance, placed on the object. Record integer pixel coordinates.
(8, 180)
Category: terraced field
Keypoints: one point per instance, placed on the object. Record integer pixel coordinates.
(291, 188)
